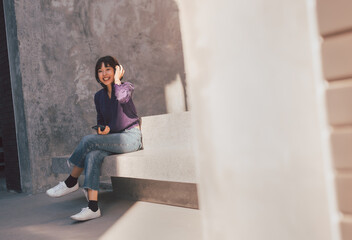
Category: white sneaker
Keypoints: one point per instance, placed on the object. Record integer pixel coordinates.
(61, 189)
(86, 214)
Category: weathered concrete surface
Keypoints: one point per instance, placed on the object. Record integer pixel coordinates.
(59, 43)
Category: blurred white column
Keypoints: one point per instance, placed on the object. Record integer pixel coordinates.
(256, 116)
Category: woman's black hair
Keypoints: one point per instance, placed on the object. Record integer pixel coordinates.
(108, 61)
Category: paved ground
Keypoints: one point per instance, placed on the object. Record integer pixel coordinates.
(24, 216)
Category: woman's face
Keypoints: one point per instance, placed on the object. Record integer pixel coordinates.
(106, 74)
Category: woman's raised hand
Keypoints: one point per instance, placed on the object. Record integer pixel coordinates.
(106, 130)
(119, 72)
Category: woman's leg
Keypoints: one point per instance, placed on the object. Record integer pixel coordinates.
(92, 195)
(91, 182)
(92, 167)
(76, 159)
(83, 148)
(89, 155)
(76, 171)
(72, 179)
(127, 141)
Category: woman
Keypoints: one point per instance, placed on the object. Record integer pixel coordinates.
(118, 132)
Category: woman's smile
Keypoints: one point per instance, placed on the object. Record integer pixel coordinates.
(106, 74)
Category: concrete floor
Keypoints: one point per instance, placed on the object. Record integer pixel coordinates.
(24, 216)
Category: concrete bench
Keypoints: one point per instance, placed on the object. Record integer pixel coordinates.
(163, 172)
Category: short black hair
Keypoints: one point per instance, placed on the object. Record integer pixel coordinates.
(108, 61)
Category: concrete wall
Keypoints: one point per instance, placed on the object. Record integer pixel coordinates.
(58, 45)
(261, 162)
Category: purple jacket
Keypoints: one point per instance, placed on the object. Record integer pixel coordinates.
(119, 112)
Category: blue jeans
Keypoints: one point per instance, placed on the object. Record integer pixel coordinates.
(90, 152)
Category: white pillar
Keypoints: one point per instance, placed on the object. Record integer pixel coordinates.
(252, 91)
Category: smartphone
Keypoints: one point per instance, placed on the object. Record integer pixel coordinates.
(102, 127)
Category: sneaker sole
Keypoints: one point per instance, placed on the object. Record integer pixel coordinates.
(82, 220)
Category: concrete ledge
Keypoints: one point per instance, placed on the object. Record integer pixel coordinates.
(170, 193)
(167, 164)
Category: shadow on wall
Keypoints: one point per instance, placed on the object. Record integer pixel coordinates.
(149, 45)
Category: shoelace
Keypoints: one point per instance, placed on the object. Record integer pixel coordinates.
(60, 186)
(83, 209)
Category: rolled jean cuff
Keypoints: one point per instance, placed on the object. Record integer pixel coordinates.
(72, 164)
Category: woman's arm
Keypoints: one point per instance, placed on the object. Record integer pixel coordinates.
(119, 72)
(124, 92)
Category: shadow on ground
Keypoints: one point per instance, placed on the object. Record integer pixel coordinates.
(38, 216)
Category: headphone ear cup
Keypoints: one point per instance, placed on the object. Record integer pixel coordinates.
(116, 62)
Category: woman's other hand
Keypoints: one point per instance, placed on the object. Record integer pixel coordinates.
(106, 130)
(119, 72)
